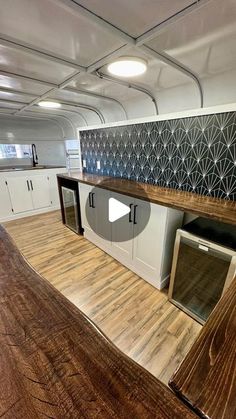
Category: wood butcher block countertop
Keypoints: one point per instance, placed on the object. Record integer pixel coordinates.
(206, 379)
(55, 363)
(218, 209)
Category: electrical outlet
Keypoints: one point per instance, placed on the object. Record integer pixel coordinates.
(84, 163)
(98, 165)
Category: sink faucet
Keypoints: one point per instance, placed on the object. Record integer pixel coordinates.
(34, 155)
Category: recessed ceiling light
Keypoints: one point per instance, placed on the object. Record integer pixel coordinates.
(128, 67)
(47, 104)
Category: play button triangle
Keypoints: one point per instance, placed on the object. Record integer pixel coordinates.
(117, 210)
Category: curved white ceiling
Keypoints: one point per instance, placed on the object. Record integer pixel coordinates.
(52, 49)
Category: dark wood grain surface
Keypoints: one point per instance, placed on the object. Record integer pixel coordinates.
(218, 209)
(207, 377)
(55, 363)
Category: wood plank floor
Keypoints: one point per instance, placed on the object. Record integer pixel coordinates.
(133, 314)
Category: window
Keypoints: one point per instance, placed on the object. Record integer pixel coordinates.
(15, 151)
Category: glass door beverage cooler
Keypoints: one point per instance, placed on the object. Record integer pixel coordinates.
(70, 208)
(204, 264)
(70, 203)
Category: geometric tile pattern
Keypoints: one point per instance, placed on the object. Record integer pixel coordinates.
(196, 154)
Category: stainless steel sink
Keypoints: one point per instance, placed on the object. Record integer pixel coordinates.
(19, 168)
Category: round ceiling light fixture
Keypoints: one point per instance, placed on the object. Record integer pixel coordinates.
(127, 67)
(49, 105)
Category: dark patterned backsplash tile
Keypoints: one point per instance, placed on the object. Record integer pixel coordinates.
(196, 154)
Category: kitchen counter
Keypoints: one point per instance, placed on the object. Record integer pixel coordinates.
(20, 168)
(206, 379)
(56, 363)
(218, 209)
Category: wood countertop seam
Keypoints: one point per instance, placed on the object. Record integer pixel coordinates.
(201, 205)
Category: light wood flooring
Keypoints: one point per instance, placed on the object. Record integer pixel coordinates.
(134, 315)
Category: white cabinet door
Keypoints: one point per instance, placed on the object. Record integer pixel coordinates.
(121, 228)
(20, 194)
(40, 189)
(99, 228)
(84, 191)
(103, 226)
(149, 243)
(5, 202)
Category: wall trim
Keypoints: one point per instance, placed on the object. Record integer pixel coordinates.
(231, 107)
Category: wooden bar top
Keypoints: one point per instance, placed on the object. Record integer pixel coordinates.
(55, 363)
(206, 379)
(218, 209)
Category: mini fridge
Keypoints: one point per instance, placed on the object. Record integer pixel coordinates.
(204, 264)
(70, 207)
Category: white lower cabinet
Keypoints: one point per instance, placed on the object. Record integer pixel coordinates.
(148, 252)
(93, 206)
(5, 202)
(122, 249)
(27, 192)
(147, 245)
(20, 194)
(40, 190)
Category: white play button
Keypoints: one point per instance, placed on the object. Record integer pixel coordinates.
(117, 210)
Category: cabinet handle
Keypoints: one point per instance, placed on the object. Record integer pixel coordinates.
(130, 214)
(28, 185)
(135, 207)
(93, 206)
(31, 183)
(90, 205)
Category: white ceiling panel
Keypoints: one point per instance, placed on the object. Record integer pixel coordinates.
(9, 105)
(105, 105)
(8, 111)
(10, 82)
(19, 62)
(64, 95)
(135, 17)
(205, 40)
(104, 87)
(17, 97)
(49, 25)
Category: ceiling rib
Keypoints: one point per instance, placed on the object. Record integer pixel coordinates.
(108, 58)
(98, 96)
(27, 78)
(82, 11)
(4, 110)
(131, 41)
(175, 64)
(156, 30)
(23, 46)
(16, 102)
(129, 85)
(57, 116)
(35, 117)
(83, 106)
(50, 91)
(59, 110)
(56, 112)
(16, 92)
(68, 89)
